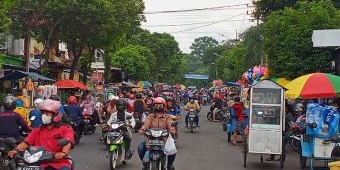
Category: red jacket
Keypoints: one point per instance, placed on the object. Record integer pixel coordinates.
(239, 110)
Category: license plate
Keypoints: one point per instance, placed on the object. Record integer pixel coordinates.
(115, 134)
(156, 142)
(192, 115)
(29, 168)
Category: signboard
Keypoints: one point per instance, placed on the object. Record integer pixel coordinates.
(34, 61)
(326, 38)
(197, 76)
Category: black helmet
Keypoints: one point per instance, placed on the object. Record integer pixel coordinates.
(54, 97)
(138, 96)
(121, 102)
(169, 98)
(10, 102)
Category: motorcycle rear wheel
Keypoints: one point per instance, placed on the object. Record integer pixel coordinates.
(155, 165)
(209, 116)
(294, 143)
(86, 129)
(113, 159)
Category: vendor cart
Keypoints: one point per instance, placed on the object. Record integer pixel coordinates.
(321, 125)
(266, 121)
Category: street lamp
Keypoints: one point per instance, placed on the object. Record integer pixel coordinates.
(215, 69)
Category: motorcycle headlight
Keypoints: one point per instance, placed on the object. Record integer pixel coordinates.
(156, 133)
(32, 158)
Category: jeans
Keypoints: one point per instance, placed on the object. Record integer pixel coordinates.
(187, 119)
(142, 151)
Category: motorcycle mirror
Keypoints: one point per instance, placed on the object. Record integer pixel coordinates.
(174, 124)
(63, 142)
(129, 117)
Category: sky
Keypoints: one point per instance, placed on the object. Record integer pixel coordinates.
(222, 23)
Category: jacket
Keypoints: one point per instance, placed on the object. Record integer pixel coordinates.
(164, 122)
(9, 124)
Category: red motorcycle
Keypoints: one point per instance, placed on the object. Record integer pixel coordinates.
(88, 124)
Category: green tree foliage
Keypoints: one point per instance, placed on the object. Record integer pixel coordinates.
(252, 38)
(133, 60)
(230, 66)
(200, 46)
(288, 41)
(4, 20)
(165, 48)
(265, 7)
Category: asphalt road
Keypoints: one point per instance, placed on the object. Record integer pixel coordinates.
(207, 148)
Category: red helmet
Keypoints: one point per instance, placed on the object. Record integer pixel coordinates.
(132, 96)
(72, 100)
(52, 106)
(160, 100)
(217, 96)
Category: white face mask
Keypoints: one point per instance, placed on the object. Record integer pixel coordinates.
(46, 119)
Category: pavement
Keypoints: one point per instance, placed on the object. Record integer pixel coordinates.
(207, 148)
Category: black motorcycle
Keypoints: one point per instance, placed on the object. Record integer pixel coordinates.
(219, 115)
(6, 145)
(155, 141)
(88, 124)
(76, 131)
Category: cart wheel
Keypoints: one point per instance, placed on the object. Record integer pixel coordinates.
(261, 158)
(302, 159)
(245, 152)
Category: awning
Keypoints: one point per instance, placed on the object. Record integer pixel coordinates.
(21, 74)
(11, 61)
(129, 84)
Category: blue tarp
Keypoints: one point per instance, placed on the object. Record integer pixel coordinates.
(21, 74)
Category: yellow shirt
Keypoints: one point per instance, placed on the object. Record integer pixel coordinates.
(192, 105)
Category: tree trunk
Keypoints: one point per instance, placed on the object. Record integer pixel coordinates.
(76, 55)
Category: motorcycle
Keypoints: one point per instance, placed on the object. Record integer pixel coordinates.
(115, 143)
(34, 156)
(155, 142)
(88, 124)
(293, 135)
(76, 132)
(191, 120)
(139, 118)
(219, 114)
(7, 144)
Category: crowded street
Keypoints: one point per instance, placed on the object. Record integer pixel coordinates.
(206, 148)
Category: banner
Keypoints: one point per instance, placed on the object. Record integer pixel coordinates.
(196, 76)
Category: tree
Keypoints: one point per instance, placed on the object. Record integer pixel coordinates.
(288, 41)
(265, 7)
(252, 39)
(133, 60)
(96, 23)
(164, 46)
(200, 46)
(4, 20)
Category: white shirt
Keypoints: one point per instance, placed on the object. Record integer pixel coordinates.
(113, 118)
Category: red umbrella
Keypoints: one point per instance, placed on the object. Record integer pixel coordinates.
(70, 84)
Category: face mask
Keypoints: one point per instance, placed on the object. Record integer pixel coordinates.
(158, 110)
(46, 119)
(120, 109)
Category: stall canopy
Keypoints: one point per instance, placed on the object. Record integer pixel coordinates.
(21, 74)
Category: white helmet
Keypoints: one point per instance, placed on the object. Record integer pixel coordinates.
(37, 102)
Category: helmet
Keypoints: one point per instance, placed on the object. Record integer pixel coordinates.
(10, 102)
(159, 100)
(121, 102)
(37, 102)
(111, 97)
(72, 100)
(54, 97)
(52, 106)
(132, 96)
(216, 96)
(170, 99)
(138, 96)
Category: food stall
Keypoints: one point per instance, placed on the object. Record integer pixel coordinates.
(264, 134)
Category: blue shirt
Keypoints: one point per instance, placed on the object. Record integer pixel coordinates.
(174, 111)
(37, 117)
(74, 112)
(9, 124)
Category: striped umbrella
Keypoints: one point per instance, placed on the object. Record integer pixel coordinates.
(315, 85)
(281, 81)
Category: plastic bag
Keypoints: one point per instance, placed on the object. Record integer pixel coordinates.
(170, 147)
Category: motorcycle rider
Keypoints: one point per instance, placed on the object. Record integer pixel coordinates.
(35, 114)
(74, 112)
(139, 106)
(218, 105)
(88, 108)
(158, 119)
(121, 115)
(11, 123)
(130, 102)
(48, 135)
(149, 101)
(173, 108)
(192, 105)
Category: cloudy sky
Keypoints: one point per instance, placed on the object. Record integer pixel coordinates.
(220, 19)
